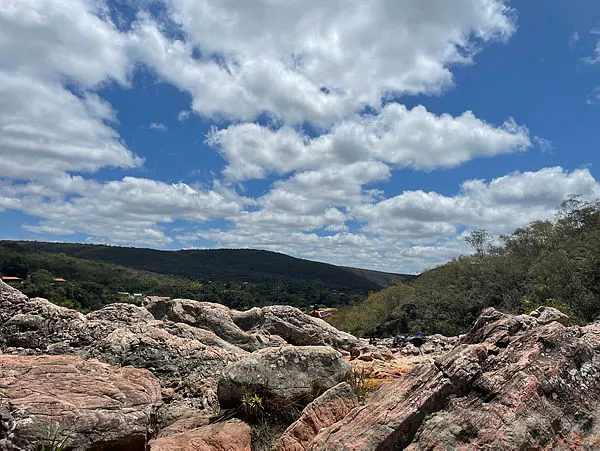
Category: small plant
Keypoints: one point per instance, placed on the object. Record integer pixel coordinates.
(252, 406)
(52, 445)
(359, 383)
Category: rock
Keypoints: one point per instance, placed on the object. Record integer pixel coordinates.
(290, 372)
(188, 360)
(250, 328)
(300, 329)
(545, 315)
(329, 408)
(233, 435)
(514, 382)
(206, 315)
(393, 414)
(89, 403)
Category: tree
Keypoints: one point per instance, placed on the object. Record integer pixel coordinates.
(479, 240)
(15, 267)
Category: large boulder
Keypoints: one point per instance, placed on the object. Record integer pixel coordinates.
(232, 435)
(329, 408)
(88, 403)
(188, 360)
(255, 328)
(206, 315)
(514, 382)
(290, 372)
(298, 328)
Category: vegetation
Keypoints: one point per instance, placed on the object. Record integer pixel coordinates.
(227, 265)
(90, 284)
(555, 263)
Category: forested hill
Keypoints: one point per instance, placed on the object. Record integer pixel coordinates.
(254, 266)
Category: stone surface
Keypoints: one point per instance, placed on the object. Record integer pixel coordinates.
(188, 360)
(300, 329)
(89, 403)
(290, 372)
(206, 315)
(329, 408)
(255, 328)
(514, 382)
(233, 435)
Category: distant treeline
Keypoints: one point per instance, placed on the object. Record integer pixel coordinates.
(92, 284)
(555, 263)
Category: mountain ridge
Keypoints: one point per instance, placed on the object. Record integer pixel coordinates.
(250, 265)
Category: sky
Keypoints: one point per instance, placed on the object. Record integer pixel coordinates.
(372, 134)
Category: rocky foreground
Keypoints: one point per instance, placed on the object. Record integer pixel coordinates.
(171, 376)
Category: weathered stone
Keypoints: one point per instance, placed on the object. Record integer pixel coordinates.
(254, 328)
(232, 435)
(545, 315)
(329, 408)
(289, 372)
(515, 382)
(88, 403)
(188, 360)
(206, 315)
(300, 329)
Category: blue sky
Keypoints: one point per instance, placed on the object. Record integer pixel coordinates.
(372, 134)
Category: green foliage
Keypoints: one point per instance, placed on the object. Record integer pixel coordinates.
(92, 284)
(554, 263)
(358, 382)
(252, 407)
(528, 306)
(51, 445)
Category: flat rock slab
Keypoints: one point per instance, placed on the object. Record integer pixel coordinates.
(90, 404)
(329, 408)
(233, 435)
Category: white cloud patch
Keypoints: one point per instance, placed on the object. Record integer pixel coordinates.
(131, 210)
(315, 60)
(409, 232)
(397, 136)
(158, 126)
(183, 115)
(298, 62)
(46, 128)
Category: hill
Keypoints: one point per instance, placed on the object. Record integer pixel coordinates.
(95, 275)
(223, 265)
(553, 263)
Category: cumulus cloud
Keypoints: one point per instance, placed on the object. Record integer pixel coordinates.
(46, 128)
(409, 232)
(308, 65)
(131, 210)
(397, 136)
(315, 60)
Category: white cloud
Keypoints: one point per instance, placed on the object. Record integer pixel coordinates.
(409, 232)
(183, 115)
(131, 210)
(158, 126)
(315, 60)
(595, 58)
(46, 128)
(397, 136)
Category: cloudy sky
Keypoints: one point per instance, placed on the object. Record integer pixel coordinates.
(366, 133)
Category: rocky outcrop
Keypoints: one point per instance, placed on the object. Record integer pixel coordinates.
(293, 326)
(514, 382)
(290, 372)
(87, 403)
(187, 360)
(233, 435)
(255, 328)
(329, 408)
